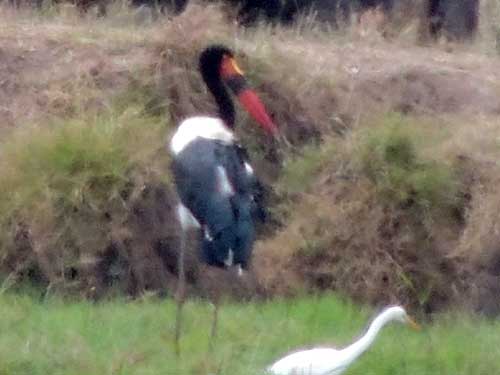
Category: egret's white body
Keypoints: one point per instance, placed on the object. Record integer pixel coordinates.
(312, 362)
(329, 361)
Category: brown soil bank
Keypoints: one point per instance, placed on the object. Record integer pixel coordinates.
(387, 221)
(381, 207)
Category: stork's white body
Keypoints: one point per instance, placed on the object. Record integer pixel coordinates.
(200, 126)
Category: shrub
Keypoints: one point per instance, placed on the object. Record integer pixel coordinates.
(300, 170)
(388, 156)
(68, 192)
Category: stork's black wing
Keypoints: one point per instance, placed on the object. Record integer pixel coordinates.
(241, 174)
(214, 184)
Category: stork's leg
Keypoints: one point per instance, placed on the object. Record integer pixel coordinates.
(215, 321)
(186, 220)
(181, 292)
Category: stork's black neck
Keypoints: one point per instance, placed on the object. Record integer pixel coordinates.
(210, 61)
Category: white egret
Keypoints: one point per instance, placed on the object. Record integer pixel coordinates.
(329, 361)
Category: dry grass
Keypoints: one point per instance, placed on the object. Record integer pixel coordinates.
(361, 228)
(365, 230)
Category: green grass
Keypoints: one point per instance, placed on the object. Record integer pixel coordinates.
(391, 156)
(119, 337)
(299, 171)
(71, 182)
(76, 161)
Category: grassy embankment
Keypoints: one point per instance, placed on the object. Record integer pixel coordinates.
(401, 208)
(121, 337)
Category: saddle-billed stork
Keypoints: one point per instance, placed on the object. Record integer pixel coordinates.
(212, 173)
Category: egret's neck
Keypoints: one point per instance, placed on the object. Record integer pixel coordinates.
(357, 348)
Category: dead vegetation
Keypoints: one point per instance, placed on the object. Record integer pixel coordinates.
(383, 208)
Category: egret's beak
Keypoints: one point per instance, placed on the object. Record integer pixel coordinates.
(413, 324)
(235, 80)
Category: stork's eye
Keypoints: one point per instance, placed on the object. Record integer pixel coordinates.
(229, 66)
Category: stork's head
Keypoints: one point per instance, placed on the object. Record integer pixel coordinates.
(217, 65)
